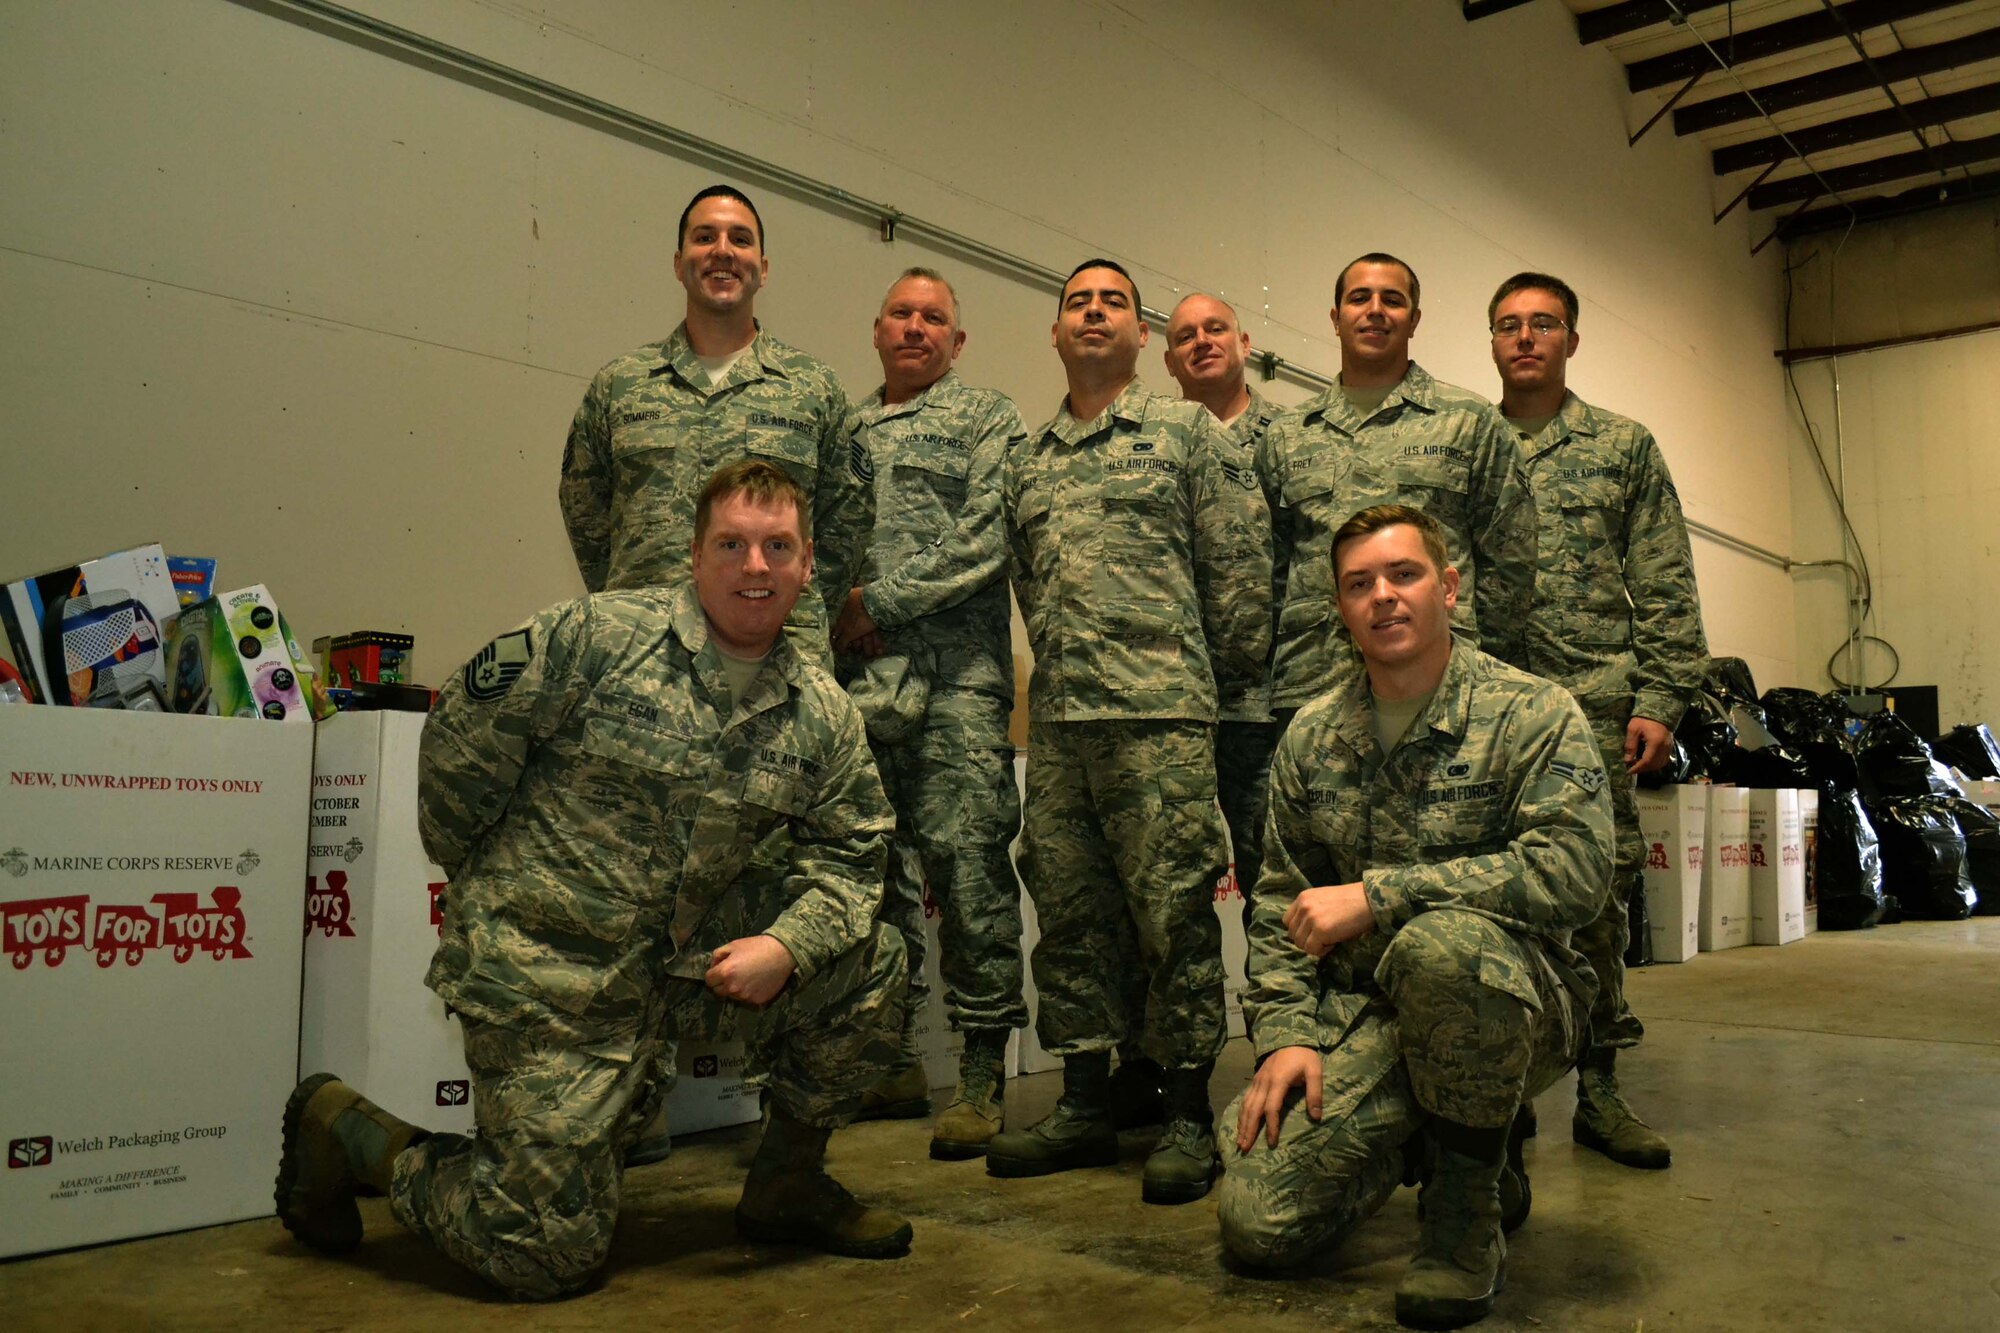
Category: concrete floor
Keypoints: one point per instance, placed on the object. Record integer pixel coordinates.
(1834, 1108)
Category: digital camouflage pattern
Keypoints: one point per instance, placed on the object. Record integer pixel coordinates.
(595, 815)
(1616, 615)
(1617, 620)
(651, 432)
(531, 1201)
(1481, 841)
(934, 583)
(1140, 552)
(1120, 852)
(1431, 445)
(1245, 735)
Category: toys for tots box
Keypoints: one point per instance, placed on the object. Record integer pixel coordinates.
(1725, 871)
(1673, 821)
(1777, 867)
(149, 917)
(374, 904)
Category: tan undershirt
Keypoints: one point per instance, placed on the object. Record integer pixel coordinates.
(738, 672)
(1365, 401)
(718, 367)
(1532, 427)
(1394, 716)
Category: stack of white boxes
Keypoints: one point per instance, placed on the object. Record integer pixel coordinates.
(149, 907)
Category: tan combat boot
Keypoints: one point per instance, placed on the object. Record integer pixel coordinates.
(904, 1095)
(1605, 1123)
(1461, 1258)
(978, 1105)
(335, 1142)
(788, 1198)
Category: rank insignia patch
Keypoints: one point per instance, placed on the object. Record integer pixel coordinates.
(499, 664)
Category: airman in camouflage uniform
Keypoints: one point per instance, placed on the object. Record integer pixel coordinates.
(1390, 434)
(1139, 546)
(1616, 620)
(656, 423)
(1409, 959)
(594, 783)
(925, 648)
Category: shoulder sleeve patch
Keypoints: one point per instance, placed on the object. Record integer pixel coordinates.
(1591, 779)
(499, 664)
(859, 461)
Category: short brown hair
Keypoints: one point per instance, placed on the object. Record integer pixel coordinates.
(762, 483)
(1536, 282)
(1378, 257)
(1377, 517)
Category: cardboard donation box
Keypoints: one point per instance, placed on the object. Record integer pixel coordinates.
(374, 908)
(149, 912)
(1809, 839)
(1725, 871)
(1777, 868)
(1673, 821)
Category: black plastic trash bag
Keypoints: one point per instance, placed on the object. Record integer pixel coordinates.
(1759, 758)
(1981, 828)
(1729, 680)
(1814, 726)
(1676, 770)
(1923, 858)
(1707, 735)
(1970, 749)
(1847, 864)
(1894, 761)
(1639, 926)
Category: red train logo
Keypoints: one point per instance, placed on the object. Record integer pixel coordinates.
(436, 888)
(330, 908)
(182, 924)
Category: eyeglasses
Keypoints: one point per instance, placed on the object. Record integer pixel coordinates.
(1541, 326)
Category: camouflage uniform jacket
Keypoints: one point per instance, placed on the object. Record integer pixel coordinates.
(594, 800)
(1433, 446)
(1616, 611)
(651, 432)
(1494, 803)
(1244, 432)
(1140, 552)
(935, 571)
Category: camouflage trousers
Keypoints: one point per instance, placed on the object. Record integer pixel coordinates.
(1243, 782)
(1613, 1025)
(1121, 848)
(529, 1201)
(1470, 1021)
(957, 808)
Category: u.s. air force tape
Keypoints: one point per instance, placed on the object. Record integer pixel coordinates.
(1589, 778)
(499, 664)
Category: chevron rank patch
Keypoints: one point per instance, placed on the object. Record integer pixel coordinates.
(499, 664)
(1591, 779)
(859, 461)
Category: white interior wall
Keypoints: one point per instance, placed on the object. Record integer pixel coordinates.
(325, 315)
(1915, 431)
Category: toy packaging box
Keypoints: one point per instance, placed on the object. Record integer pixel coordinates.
(1673, 821)
(93, 634)
(1725, 871)
(1777, 867)
(233, 656)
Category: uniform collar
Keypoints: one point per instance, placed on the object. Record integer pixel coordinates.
(1449, 711)
(1129, 407)
(874, 409)
(1574, 417)
(1416, 388)
(769, 687)
(760, 358)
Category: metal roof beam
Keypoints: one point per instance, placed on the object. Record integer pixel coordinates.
(1877, 171)
(1858, 129)
(1775, 39)
(1617, 20)
(1921, 199)
(1804, 91)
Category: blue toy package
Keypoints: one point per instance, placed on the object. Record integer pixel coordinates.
(193, 576)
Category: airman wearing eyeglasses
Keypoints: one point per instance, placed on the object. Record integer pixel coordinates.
(1615, 619)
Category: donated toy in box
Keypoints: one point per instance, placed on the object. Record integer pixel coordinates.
(374, 657)
(374, 909)
(91, 634)
(149, 907)
(233, 656)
